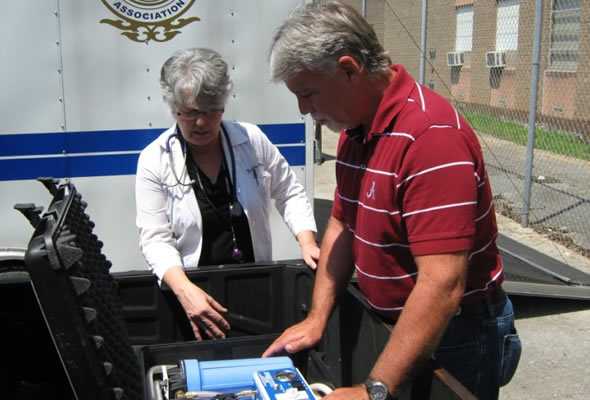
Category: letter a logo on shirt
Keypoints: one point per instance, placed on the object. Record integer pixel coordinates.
(371, 192)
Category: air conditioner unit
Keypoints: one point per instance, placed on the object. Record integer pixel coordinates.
(495, 59)
(455, 59)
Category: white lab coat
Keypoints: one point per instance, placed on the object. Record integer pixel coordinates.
(168, 215)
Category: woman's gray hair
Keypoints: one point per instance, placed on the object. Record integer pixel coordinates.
(315, 36)
(195, 78)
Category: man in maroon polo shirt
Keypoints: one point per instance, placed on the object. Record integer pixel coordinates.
(412, 215)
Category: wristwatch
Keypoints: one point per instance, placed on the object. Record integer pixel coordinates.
(377, 390)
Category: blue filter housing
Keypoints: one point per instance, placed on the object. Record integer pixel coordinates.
(228, 375)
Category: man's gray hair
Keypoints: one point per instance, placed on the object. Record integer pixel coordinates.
(195, 78)
(315, 36)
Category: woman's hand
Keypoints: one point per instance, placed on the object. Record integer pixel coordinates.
(310, 252)
(203, 312)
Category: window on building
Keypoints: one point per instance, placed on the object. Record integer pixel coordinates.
(464, 28)
(565, 34)
(507, 25)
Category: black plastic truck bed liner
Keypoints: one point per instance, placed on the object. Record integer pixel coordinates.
(79, 331)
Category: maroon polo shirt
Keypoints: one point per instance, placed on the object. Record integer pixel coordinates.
(415, 185)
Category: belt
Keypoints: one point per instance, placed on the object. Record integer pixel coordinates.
(486, 304)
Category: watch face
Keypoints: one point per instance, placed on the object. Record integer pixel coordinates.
(377, 390)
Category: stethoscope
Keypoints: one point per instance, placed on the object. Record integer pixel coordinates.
(235, 207)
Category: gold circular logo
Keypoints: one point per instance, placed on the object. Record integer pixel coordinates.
(145, 20)
(148, 11)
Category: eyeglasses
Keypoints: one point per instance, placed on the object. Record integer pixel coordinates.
(194, 114)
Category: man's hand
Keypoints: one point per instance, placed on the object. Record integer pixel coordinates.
(358, 392)
(298, 337)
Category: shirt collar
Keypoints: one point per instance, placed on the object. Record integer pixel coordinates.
(394, 100)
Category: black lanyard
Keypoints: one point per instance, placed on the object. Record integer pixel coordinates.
(236, 211)
(235, 208)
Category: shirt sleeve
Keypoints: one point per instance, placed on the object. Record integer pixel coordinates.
(289, 195)
(438, 193)
(156, 239)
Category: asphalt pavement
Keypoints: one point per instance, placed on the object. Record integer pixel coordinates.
(560, 195)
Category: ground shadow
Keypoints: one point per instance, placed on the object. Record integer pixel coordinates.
(531, 307)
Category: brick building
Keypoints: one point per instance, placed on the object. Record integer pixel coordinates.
(491, 44)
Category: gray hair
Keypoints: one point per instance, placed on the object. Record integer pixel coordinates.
(315, 36)
(195, 78)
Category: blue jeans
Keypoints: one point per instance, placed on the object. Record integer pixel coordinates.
(482, 349)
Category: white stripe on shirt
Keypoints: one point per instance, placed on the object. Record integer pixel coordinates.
(400, 134)
(423, 103)
(381, 245)
(363, 205)
(363, 167)
(485, 213)
(384, 277)
(384, 308)
(485, 288)
(441, 126)
(439, 208)
(487, 285)
(483, 248)
(442, 166)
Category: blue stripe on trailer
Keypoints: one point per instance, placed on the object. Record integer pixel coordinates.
(34, 143)
(62, 145)
(119, 140)
(97, 165)
(76, 142)
(68, 167)
(285, 133)
(294, 155)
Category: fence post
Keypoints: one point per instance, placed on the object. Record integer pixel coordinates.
(364, 8)
(528, 169)
(424, 24)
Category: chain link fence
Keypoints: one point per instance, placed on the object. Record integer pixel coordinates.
(519, 72)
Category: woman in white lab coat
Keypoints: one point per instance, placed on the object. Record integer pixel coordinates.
(204, 188)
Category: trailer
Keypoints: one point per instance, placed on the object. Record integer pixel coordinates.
(81, 99)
